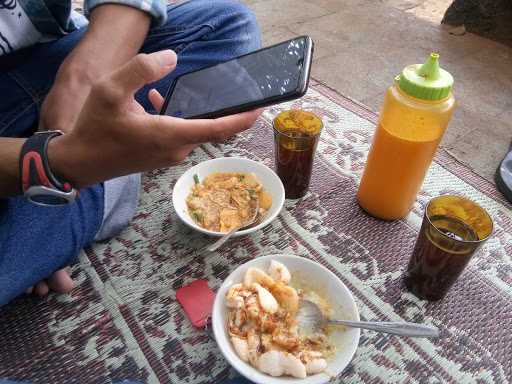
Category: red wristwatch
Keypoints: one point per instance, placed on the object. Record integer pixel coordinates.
(38, 183)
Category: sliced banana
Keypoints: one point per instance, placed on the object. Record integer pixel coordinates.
(241, 348)
(256, 275)
(286, 296)
(267, 302)
(278, 363)
(316, 366)
(279, 272)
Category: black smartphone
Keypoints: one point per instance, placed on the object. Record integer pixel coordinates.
(268, 76)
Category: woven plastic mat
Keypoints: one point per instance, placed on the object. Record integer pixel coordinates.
(123, 321)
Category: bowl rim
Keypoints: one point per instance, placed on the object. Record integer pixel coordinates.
(264, 223)
(252, 373)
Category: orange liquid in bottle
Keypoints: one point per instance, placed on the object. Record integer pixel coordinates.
(403, 147)
(408, 160)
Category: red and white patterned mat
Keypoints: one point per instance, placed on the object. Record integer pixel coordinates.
(123, 321)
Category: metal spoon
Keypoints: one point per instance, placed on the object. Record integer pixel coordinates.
(250, 220)
(311, 317)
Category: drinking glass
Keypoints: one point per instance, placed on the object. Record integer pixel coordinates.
(453, 229)
(296, 134)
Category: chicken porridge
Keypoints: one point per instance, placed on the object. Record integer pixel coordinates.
(224, 201)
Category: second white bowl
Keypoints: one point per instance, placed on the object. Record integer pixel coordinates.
(320, 279)
(271, 183)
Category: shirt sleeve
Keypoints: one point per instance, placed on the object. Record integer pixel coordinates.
(156, 8)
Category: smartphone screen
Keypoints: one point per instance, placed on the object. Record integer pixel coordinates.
(265, 74)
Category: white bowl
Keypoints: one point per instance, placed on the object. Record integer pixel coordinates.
(320, 279)
(268, 178)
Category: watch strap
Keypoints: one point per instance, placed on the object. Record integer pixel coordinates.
(34, 166)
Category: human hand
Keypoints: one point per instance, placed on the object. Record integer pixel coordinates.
(104, 47)
(114, 136)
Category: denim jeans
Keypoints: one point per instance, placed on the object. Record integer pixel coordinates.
(36, 241)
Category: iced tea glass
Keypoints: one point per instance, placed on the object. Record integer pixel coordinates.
(296, 134)
(453, 229)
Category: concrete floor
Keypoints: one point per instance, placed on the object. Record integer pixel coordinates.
(360, 45)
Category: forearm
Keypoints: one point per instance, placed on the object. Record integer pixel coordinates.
(9, 172)
(115, 34)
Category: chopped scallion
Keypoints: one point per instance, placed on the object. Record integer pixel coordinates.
(198, 216)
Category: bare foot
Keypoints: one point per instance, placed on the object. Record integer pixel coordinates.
(59, 282)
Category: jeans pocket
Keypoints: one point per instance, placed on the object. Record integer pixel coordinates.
(18, 121)
(174, 37)
(167, 30)
(18, 112)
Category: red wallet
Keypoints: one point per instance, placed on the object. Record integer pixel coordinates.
(196, 299)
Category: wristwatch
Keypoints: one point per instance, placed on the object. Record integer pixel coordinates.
(38, 183)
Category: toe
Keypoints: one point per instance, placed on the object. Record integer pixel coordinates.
(41, 288)
(61, 282)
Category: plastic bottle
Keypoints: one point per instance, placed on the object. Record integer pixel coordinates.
(415, 114)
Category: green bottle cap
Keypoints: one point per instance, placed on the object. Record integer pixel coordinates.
(426, 81)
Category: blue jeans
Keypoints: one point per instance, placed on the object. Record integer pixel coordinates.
(36, 241)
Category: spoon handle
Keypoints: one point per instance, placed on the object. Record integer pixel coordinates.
(213, 247)
(395, 328)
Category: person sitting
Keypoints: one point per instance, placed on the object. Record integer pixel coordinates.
(99, 82)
